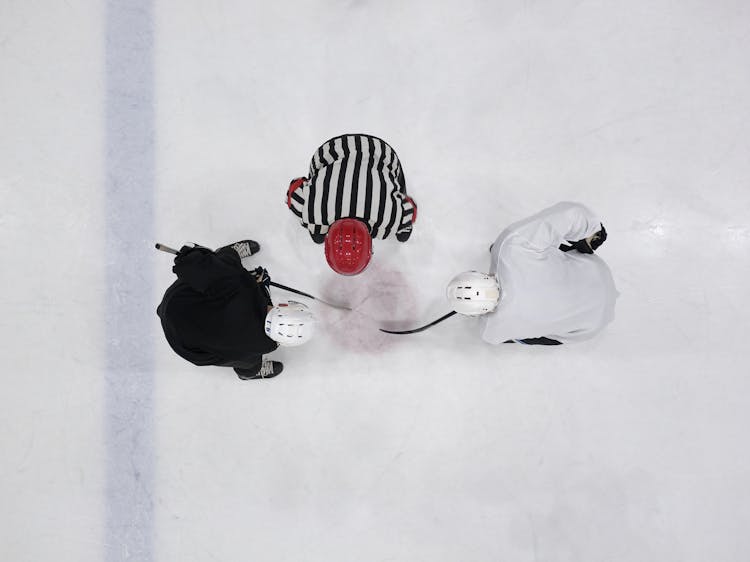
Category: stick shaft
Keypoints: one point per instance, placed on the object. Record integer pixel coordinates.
(280, 286)
(415, 330)
(308, 295)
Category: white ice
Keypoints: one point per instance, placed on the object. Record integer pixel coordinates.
(433, 447)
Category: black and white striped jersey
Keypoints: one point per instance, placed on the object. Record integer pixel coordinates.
(354, 176)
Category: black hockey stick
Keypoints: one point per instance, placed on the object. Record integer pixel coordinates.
(415, 330)
(309, 296)
(169, 250)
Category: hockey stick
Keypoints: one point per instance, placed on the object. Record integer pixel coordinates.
(309, 296)
(415, 330)
(169, 250)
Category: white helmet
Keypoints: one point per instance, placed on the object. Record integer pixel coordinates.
(473, 293)
(290, 323)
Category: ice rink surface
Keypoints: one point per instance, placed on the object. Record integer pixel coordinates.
(126, 123)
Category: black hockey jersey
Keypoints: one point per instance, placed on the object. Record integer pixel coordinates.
(354, 176)
(214, 313)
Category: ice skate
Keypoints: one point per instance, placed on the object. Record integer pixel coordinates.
(268, 370)
(244, 248)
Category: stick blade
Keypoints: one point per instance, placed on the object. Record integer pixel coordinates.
(403, 331)
(415, 330)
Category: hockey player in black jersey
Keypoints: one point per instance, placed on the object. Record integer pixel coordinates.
(219, 313)
(356, 191)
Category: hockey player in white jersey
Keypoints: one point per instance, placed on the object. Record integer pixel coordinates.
(356, 191)
(545, 285)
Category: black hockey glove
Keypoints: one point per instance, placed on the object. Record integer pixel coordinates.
(598, 238)
(587, 245)
(261, 276)
(581, 245)
(264, 280)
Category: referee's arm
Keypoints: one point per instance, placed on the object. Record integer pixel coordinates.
(408, 218)
(294, 197)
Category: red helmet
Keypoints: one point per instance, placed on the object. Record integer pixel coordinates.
(348, 246)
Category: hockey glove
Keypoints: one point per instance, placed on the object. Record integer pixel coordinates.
(261, 276)
(581, 245)
(598, 239)
(264, 280)
(587, 245)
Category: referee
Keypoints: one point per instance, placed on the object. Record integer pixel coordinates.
(356, 191)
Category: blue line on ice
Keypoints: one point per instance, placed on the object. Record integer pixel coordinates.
(129, 388)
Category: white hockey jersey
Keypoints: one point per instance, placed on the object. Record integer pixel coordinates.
(545, 292)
